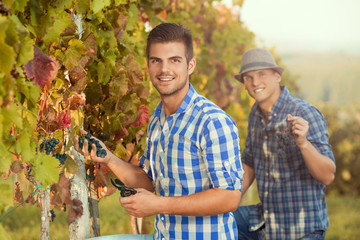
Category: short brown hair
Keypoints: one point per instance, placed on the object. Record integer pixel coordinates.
(171, 32)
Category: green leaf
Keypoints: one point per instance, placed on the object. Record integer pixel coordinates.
(118, 2)
(5, 158)
(7, 54)
(26, 148)
(133, 17)
(46, 169)
(29, 89)
(83, 6)
(98, 5)
(6, 190)
(100, 71)
(70, 165)
(26, 50)
(12, 116)
(59, 26)
(74, 53)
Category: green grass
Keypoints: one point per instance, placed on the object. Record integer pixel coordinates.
(24, 223)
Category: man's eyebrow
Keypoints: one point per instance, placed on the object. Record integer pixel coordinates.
(176, 57)
(154, 58)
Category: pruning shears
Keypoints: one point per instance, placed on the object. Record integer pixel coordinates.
(124, 190)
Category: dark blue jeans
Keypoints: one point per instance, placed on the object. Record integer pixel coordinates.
(242, 221)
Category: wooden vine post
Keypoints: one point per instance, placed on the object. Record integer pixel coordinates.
(45, 214)
(80, 228)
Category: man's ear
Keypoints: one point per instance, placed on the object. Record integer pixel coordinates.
(191, 66)
(278, 76)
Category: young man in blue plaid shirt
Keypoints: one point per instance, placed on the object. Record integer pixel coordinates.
(287, 151)
(192, 158)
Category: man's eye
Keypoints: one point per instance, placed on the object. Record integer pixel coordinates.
(246, 78)
(155, 61)
(175, 60)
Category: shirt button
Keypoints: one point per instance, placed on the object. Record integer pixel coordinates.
(266, 211)
(226, 164)
(267, 174)
(252, 228)
(266, 137)
(266, 193)
(162, 218)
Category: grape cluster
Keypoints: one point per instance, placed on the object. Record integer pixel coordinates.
(61, 157)
(100, 152)
(284, 140)
(52, 215)
(49, 145)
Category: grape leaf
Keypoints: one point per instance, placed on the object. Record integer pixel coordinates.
(6, 189)
(5, 158)
(74, 53)
(25, 147)
(75, 211)
(64, 118)
(59, 26)
(60, 192)
(98, 5)
(134, 70)
(7, 54)
(41, 68)
(12, 116)
(46, 169)
(18, 194)
(142, 116)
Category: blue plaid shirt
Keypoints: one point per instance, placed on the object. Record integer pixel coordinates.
(292, 201)
(194, 149)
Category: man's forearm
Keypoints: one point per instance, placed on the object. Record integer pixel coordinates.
(207, 203)
(132, 175)
(320, 167)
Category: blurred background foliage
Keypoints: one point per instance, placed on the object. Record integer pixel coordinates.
(220, 39)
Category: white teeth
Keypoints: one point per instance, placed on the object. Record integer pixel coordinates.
(258, 90)
(165, 79)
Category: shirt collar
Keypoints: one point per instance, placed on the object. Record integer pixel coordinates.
(184, 105)
(282, 100)
(279, 104)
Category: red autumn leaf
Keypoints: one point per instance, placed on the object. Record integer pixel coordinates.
(142, 117)
(60, 192)
(41, 68)
(18, 196)
(64, 118)
(76, 210)
(77, 100)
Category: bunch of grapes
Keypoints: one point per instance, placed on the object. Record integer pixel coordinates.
(49, 145)
(100, 152)
(61, 157)
(52, 215)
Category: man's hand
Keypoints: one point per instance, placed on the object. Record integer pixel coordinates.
(299, 129)
(142, 204)
(91, 156)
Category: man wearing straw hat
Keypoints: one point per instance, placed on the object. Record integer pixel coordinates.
(287, 151)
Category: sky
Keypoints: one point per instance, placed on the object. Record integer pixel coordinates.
(304, 25)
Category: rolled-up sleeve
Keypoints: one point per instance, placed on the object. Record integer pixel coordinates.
(221, 153)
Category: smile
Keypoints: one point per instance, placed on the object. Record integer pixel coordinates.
(258, 90)
(167, 78)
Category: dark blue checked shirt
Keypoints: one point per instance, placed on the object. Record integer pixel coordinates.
(292, 201)
(195, 149)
